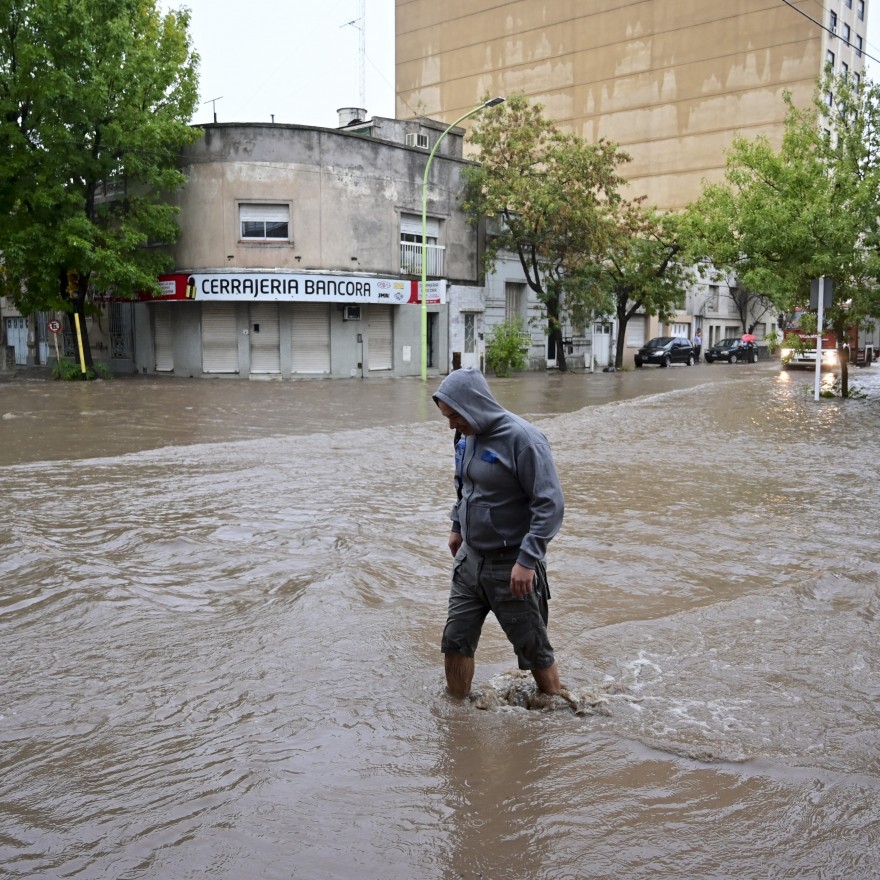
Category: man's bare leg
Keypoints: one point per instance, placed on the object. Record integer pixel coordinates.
(547, 679)
(459, 673)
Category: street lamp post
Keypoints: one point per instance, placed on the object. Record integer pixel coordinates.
(490, 103)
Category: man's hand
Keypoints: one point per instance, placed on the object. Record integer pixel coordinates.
(522, 580)
(454, 542)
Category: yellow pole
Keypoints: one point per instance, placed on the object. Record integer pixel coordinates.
(424, 291)
(79, 342)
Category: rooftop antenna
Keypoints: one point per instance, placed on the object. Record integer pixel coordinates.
(214, 102)
(361, 24)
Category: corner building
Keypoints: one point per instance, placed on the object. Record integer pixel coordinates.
(671, 81)
(300, 254)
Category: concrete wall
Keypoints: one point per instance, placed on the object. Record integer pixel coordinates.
(671, 81)
(346, 190)
(346, 194)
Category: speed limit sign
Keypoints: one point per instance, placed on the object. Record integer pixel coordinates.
(54, 326)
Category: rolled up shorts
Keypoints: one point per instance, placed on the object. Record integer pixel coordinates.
(480, 584)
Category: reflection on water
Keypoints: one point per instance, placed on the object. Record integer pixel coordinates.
(220, 604)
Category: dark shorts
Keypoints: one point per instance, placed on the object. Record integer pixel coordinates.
(481, 584)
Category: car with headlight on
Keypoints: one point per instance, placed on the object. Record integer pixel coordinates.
(666, 350)
(733, 351)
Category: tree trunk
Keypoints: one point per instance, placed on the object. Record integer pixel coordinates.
(556, 336)
(555, 332)
(619, 342)
(843, 353)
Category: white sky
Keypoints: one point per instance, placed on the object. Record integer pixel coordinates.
(299, 59)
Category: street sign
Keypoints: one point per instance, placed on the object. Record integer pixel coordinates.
(54, 326)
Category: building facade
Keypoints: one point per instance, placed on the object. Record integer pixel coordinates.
(300, 253)
(671, 81)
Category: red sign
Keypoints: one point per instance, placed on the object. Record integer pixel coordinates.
(54, 326)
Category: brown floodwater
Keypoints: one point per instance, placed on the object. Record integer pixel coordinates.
(221, 603)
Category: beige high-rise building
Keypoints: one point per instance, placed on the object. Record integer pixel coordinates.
(671, 81)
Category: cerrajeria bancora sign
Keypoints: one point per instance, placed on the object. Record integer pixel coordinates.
(299, 287)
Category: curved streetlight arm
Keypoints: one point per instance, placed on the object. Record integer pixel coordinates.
(424, 291)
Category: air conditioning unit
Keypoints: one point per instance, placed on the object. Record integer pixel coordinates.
(351, 313)
(417, 140)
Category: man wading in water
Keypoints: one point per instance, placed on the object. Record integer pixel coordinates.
(510, 507)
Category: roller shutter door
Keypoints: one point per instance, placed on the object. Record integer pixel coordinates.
(265, 338)
(310, 338)
(411, 224)
(635, 332)
(163, 340)
(380, 336)
(219, 338)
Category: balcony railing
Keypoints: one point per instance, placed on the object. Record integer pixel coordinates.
(411, 258)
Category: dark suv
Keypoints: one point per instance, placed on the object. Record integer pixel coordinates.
(666, 350)
(732, 350)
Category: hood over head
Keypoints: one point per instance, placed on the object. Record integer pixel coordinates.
(467, 392)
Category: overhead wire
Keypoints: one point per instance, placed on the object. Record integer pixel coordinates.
(828, 30)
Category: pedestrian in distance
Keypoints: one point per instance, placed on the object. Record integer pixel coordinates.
(510, 507)
(698, 346)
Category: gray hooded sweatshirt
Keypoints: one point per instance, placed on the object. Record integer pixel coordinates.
(511, 496)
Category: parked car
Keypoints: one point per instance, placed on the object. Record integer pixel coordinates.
(732, 350)
(666, 350)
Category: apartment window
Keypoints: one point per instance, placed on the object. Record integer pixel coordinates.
(732, 302)
(411, 245)
(515, 301)
(264, 222)
(847, 33)
(857, 79)
(411, 229)
(860, 10)
(833, 22)
(844, 68)
(858, 46)
(848, 4)
(829, 59)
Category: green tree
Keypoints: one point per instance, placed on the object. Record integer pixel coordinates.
(809, 209)
(95, 102)
(551, 198)
(507, 346)
(642, 271)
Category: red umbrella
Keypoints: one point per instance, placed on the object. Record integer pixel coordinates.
(748, 337)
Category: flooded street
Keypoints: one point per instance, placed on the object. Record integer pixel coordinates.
(221, 605)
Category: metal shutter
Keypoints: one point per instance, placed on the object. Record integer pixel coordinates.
(265, 338)
(635, 332)
(380, 335)
(270, 213)
(219, 338)
(412, 224)
(310, 338)
(163, 339)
